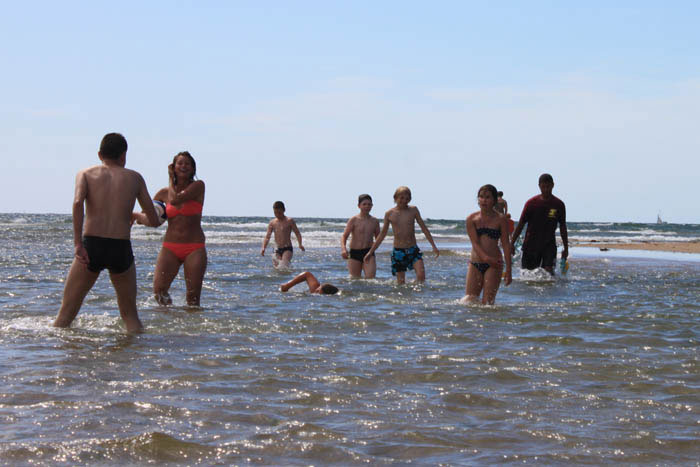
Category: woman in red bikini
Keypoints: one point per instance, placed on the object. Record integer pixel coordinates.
(184, 239)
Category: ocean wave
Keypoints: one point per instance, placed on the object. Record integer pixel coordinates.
(309, 225)
(238, 225)
(150, 447)
(442, 227)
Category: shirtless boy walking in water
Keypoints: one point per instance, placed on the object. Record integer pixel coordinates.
(364, 229)
(406, 254)
(104, 199)
(283, 227)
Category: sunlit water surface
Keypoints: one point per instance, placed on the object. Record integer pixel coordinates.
(600, 367)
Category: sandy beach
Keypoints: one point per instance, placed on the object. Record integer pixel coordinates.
(676, 247)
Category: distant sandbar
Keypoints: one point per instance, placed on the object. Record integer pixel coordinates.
(676, 247)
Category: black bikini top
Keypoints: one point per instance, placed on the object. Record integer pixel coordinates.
(491, 233)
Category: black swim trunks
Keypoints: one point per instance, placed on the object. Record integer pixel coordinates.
(545, 257)
(280, 251)
(359, 255)
(481, 267)
(113, 254)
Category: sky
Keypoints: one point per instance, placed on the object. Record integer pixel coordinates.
(315, 102)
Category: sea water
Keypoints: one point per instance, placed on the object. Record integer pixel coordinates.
(597, 367)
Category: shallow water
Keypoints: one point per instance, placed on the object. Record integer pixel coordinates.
(600, 367)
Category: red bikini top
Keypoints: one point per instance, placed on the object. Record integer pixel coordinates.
(188, 208)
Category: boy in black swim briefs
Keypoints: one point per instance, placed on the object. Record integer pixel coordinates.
(283, 227)
(102, 206)
(364, 229)
(406, 254)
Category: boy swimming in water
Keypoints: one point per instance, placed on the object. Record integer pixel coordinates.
(102, 206)
(406, 254)
(314, 285)
(364, 229)
(283, 227)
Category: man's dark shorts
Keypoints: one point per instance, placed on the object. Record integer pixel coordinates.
(280, 251)
(359, 255)
(108, 253)
(544, 258)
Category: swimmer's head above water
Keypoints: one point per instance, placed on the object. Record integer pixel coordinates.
(327, 289)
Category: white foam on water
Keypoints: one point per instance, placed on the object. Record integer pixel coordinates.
(536, 275)
(29, 323)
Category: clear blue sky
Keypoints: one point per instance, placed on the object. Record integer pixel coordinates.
(316, 102)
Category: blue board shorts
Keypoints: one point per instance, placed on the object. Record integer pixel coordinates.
(403, 259)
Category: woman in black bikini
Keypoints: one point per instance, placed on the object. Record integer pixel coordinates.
(485, 228)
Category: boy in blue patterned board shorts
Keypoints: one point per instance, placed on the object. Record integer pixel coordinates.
(406, 254)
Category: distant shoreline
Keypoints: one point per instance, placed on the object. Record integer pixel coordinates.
(675, 247)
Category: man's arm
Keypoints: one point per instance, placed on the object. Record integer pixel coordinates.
(295, 229)
(426, 232)
(140, 217)
(517, 232)
(79, 216)
(506, 250)
(564, 234)
(146, 203)
(521, 225)
(267, 238)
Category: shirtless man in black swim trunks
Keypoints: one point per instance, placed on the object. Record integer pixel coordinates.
(104, 200)
(364, 229)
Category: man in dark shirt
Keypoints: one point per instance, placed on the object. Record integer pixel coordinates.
(542, 213)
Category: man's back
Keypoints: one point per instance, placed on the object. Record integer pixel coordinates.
(109, 192)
